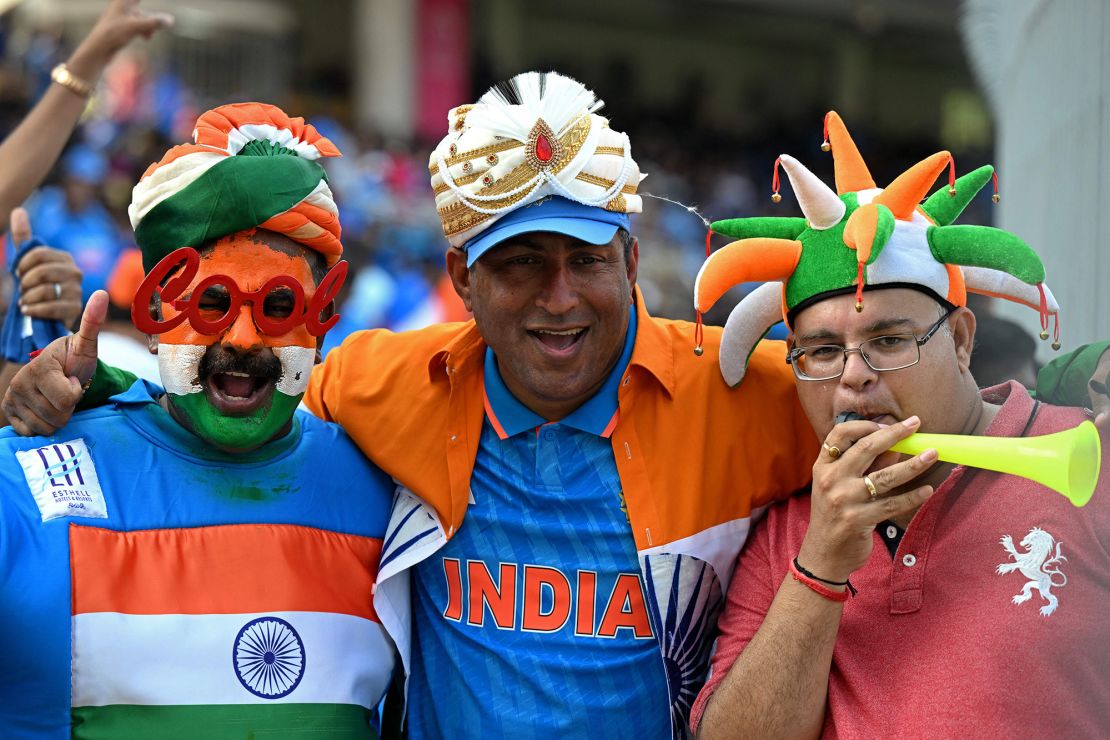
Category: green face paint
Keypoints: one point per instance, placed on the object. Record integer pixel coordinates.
(235, 432)
(179, 366)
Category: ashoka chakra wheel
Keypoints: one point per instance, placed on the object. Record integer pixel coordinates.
(268, 657)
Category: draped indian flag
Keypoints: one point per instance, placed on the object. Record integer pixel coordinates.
(247, 630)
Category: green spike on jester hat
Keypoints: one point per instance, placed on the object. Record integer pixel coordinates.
(861, 240)
(744, 228)
(943, 208)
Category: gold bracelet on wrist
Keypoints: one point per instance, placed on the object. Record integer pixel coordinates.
(70, 81)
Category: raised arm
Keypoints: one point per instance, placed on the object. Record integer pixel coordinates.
(49, 290)
(29, 152)
(778, 685)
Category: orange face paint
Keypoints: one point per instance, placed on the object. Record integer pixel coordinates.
(244, 297)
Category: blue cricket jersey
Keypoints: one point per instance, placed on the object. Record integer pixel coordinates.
(278, 637)
(532, 620)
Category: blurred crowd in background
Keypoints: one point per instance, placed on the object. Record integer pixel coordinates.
(391, 234)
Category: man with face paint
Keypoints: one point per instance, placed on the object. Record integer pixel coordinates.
(201, 562)
(237, 387)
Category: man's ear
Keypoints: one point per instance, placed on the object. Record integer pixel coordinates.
(633, 263)
(963, 336)
(460, 274)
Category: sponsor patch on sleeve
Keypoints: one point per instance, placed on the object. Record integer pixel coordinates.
(63, 480)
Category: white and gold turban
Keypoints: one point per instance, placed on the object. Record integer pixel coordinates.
(535, 136)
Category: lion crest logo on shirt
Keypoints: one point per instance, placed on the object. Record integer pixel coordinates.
(1040, 563)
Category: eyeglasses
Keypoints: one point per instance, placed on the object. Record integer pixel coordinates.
(277, 307)
(882, 354)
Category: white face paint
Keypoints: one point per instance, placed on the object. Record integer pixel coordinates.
(179, 368)
(296, 365)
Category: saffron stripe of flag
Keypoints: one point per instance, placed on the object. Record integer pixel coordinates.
(229, 569)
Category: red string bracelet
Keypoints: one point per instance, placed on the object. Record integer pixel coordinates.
(816, 586)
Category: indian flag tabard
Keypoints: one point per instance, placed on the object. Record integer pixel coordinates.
(234, 631)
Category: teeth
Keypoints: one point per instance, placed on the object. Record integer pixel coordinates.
(566, 333)
(237, 375)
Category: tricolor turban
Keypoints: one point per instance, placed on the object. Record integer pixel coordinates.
(251, 166)
(532, 137)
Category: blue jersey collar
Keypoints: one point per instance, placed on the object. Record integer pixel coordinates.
(598, 415)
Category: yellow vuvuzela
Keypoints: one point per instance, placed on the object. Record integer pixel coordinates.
(1068, 462)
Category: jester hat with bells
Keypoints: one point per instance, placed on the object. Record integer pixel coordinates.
(251, 166)
(861, 238)
(535, 136)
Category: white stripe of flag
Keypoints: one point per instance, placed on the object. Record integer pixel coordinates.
(177, 659)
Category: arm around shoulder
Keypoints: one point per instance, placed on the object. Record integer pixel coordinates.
(328, 381)
(323, 375)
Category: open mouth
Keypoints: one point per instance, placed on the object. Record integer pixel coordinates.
(559, 341)
(236, 393)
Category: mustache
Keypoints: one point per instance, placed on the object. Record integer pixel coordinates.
(220, 359)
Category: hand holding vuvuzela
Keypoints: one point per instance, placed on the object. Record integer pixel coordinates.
(857, 483)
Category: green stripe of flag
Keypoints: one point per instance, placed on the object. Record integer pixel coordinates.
(236, 194)
(216, 722)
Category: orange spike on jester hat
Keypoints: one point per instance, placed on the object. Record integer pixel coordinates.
(869, 238)
(904, 195)
(851, 171)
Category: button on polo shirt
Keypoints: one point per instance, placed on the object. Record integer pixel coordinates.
(891, 534)
(533, 616)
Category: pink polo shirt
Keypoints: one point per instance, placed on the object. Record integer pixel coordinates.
(934, 645)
